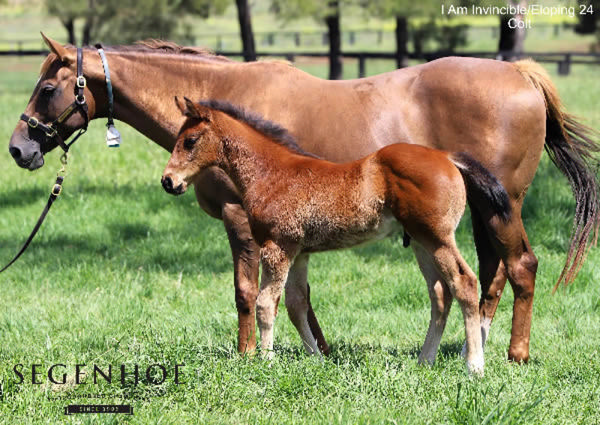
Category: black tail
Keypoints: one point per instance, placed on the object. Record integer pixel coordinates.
(484, 190)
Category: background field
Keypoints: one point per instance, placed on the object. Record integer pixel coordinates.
(123, 273)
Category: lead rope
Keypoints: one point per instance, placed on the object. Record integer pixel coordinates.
(54, 193)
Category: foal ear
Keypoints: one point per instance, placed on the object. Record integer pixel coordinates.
(59, 50)
(180, 105)
(197, 111)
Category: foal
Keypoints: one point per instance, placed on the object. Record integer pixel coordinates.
(298, 204)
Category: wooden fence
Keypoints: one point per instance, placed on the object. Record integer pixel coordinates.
(563, 60)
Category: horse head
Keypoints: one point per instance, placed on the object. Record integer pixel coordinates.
(196, 147)
(51, 97)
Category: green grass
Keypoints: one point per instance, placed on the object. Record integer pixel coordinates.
(123, 273)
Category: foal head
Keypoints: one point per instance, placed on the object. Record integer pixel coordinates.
(197, 146)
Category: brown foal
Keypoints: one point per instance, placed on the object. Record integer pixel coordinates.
(298, 204)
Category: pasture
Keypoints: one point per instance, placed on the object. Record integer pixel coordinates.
(124, 274)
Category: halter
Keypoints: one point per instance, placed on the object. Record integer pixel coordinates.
(78, 105)
(51, 131)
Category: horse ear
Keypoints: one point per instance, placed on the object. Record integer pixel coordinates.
(197, 111)
(59, 50)
(180, 105)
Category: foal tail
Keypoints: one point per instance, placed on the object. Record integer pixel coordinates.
(484, 190)
(571, 147)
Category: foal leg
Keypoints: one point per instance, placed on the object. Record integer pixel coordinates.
(245, 252)
(296, 302)
(492, 276)
(441, 301)
(463, 285)
(276, 265)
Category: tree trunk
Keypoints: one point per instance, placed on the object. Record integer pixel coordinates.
(89, 25)
(401, 42)
(68, 23)
(335, 41)
(511, 40)
(246, 33)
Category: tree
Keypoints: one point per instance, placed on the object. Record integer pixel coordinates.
(512, 35)
(246, 32)
(124, 21)
(67, 11)
(327, 12)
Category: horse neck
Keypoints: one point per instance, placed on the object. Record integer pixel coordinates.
(249, 157)
(144, 85)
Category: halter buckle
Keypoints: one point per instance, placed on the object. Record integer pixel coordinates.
(81, 82)
(80, 99)
(56, 189)
(52, 133)
(32, 122)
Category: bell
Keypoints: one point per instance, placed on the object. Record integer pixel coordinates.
(113, 137)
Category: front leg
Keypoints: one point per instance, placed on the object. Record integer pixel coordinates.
(276, 265)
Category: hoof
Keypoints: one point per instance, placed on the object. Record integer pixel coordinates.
(475, 368)
(518, 356)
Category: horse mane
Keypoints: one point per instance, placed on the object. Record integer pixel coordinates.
(272, 130)
(153, 45)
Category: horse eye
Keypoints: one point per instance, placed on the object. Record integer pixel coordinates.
(48, 90)
(189, 142)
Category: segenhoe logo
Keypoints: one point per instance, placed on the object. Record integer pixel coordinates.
(82, 374)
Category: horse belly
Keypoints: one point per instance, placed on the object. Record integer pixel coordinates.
(327, 238)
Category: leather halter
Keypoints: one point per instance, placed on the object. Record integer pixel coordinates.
(78, 105)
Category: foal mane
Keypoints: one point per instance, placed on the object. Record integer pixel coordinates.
(272, 130)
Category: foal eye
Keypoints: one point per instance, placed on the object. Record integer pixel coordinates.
(189, 142)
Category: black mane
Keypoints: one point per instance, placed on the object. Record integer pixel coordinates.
(270, 129)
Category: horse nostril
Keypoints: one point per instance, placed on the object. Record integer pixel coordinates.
(15, 152)
(167, 183)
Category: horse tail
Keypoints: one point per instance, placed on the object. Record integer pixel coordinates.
(484, 190)
(571, 146)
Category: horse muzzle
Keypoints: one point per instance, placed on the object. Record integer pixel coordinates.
(168, 185)
(26, 153)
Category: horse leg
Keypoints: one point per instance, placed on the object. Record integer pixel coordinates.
(296, 302)
(521, 265)
(441, 301)
(276, 264)
(245, 254)
(463, 285)
(492, 276)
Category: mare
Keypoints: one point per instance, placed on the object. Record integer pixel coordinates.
(502, 114)
(298, 204)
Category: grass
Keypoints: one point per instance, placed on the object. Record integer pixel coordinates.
(122, 273)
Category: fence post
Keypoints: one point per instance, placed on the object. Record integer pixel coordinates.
(219, 43)
(325, 39)
(271, 39)
(556, 30)
(564, 66)
(352, 37)
(361, 66)
(290, 57)
(297, 39)
(379, 37)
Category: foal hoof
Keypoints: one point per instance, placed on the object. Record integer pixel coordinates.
(475, 368)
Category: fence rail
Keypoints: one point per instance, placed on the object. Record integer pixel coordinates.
(563, 60)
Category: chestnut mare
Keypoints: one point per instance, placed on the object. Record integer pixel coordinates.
(298, 204)
(503, 114)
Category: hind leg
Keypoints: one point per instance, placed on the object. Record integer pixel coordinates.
(521, 266)
(296, 302)
(441, 301)
(492, 276)
(463, 285)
